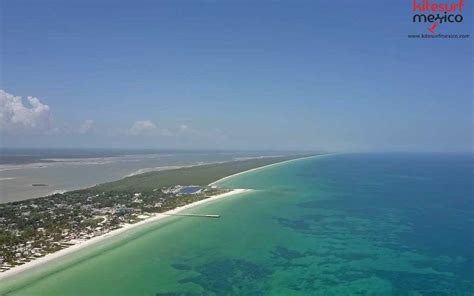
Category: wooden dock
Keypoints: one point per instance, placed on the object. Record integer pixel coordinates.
(195, 215)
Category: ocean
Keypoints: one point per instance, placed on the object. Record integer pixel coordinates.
(347, 224)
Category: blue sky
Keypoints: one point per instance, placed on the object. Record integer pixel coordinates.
(310, 75)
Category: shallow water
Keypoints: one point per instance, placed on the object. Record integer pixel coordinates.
(331, 225)
(65, 169)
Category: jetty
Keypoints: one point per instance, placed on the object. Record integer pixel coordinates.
(195, 215)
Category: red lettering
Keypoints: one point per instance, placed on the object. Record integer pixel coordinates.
(461, 4)
(416, 6)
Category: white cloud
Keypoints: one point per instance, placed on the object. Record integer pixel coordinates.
(186, 130)
(15, 116)
(142, 127)
(146, 127)
(86, 127)
(176, 135)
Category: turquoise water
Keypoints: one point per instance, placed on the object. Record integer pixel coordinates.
(334, 225)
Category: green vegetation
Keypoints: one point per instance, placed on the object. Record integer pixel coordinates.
(33, 228)
(196, 175)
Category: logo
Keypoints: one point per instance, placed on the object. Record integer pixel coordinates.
(436, 14)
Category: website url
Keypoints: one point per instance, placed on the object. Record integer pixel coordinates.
(435, 36)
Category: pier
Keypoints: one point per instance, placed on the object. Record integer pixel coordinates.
(195, 215)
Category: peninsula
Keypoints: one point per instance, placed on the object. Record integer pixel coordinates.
(35, 228)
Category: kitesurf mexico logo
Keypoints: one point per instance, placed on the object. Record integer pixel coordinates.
(436, 14)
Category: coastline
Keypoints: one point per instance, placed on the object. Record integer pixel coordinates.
(14, 271)
(267, 166)
(83, 244)
(27, 195)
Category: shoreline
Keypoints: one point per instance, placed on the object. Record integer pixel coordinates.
(14, 271)
(131, 174)
(267, 166)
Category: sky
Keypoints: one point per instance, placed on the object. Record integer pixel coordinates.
(233, 74)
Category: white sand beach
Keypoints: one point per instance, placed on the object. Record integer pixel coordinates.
(266, 166)
(83, 244)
